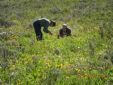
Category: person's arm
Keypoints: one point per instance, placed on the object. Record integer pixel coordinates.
(69, 32)
(47, 31)
(61, 33)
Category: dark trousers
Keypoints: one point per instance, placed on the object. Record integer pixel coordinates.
(37, 29)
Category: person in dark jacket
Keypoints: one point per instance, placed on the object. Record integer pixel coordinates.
(45, 23)
(64, 31)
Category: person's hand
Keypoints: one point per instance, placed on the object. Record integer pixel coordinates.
(51, 33)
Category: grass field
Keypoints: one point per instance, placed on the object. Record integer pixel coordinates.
(85, 58)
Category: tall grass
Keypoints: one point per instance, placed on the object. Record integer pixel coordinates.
(85, 58)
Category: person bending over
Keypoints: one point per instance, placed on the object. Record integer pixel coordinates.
(64, 31)
(45, 23)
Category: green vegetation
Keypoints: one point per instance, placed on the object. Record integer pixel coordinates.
(85, 58)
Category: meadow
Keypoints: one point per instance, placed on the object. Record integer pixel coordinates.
(85, 58)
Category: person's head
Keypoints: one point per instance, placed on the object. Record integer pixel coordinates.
(64, 26)
(52, 23)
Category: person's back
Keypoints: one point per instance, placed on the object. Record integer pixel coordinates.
(44, 22)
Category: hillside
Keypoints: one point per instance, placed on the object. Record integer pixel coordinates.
(85, 58)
